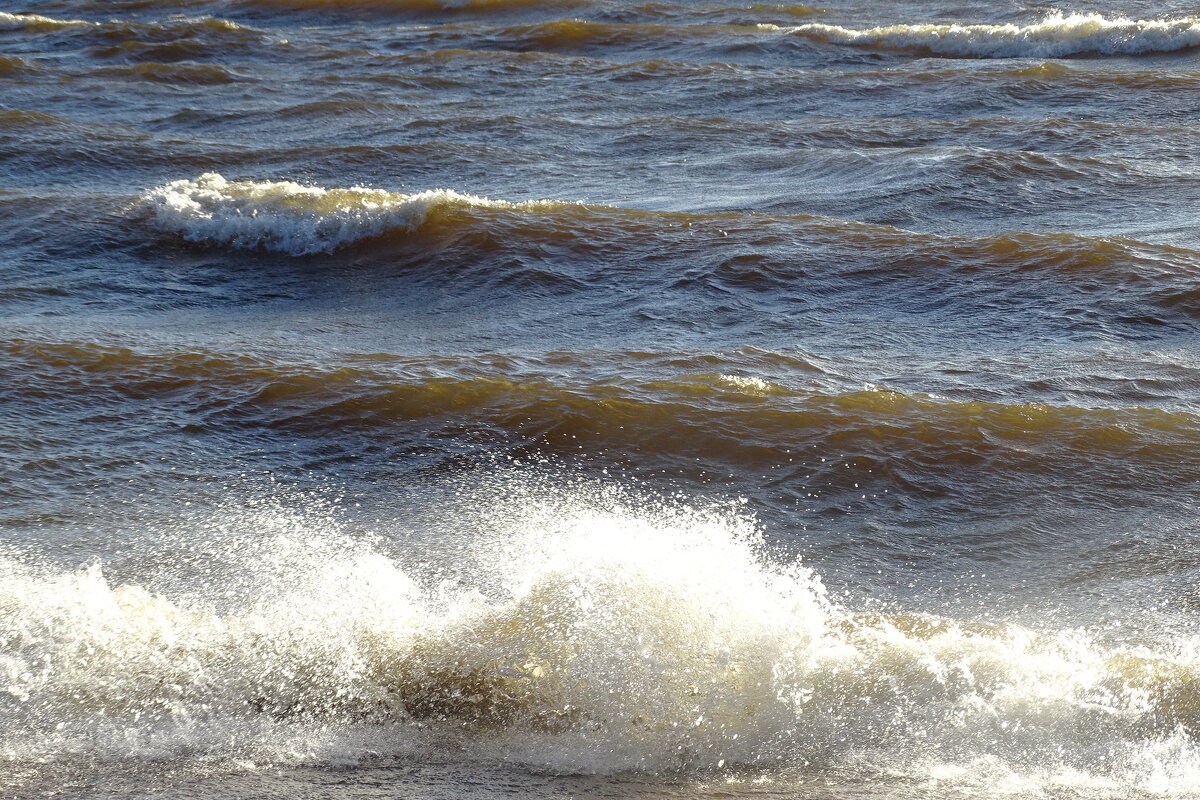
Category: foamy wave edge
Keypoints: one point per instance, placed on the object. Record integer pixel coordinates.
(176, 23)
(1055, 36)
(292, 218)
(39, 22)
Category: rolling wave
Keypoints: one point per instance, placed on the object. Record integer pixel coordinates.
(653, 9)
(296, 219)
(425, 6)
(1055, 36)
(442, 235)
(181, 73)
(567, 34)
(171, 27)
(723, 412)
(579, 629)
(39, 23)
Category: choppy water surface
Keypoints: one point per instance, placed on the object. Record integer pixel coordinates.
(599, 398)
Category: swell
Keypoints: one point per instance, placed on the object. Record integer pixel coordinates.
(73, 150)
(643, 11)
(566, 83)
(677, 416)
(815, 147)
(747, 251)
(1055, 36)
(640, 133)
(719, 14)
(1025, 81)
(419, 6)
(182, 73)
(179, 51)
(491, 252)
(1045, 136)
(569, 34)
(754, 93)
(577, 628)
(299, 219)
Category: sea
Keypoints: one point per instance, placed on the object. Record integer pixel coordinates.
(675, 399)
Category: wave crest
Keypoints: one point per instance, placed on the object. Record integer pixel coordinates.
(39, 23)
(296, 219)
(1055, 36)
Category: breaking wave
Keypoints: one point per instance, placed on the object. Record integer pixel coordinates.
(581, 629)
(1055, 36)
(39, 23)
(297, 219)
(172, 27)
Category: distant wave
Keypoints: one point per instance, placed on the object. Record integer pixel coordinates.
(576, 34)
(296, 219)
(420, 5)
(651, 9)
(176, 25)
(37, 22)
(1055, 36)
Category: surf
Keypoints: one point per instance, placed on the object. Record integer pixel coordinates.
(585, 628)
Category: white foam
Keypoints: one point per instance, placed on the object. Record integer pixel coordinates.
(39, 22)
(294, 218)
(1055, 36)
(748, 384)
(582, 630)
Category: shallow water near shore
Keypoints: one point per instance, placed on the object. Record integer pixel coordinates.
(598, 398)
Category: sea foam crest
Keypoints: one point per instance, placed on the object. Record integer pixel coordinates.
(293, 218)
(37, 22)
(1056, 35)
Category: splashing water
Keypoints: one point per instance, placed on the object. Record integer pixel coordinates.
(583, 630)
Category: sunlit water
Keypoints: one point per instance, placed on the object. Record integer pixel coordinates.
(598, 398)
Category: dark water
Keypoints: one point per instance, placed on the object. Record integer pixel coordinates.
(599, 398)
